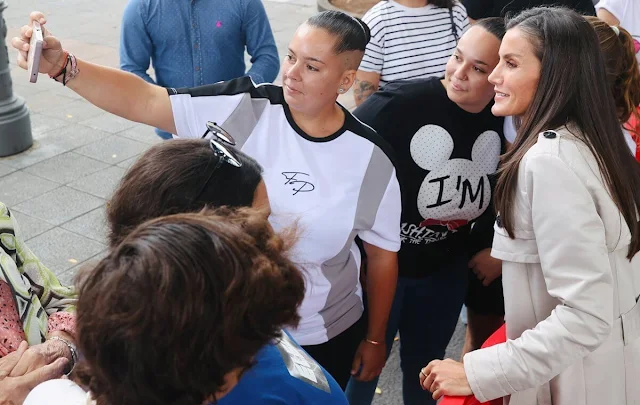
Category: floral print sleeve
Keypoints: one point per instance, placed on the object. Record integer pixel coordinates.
(11, 333)
(36, 292)
(63, 322)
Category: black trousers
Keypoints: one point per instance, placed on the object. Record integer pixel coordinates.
(336, 355)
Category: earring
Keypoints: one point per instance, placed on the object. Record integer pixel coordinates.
(340, 90)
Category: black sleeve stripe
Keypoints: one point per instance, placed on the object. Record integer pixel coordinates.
(232, 87)
(359, 128)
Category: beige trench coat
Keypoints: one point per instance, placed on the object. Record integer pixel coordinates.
(571, 296)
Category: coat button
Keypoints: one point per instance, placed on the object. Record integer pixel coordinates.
(549, 134)
(499, 221)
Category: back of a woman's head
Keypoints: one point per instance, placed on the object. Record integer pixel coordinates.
(572, 89)
(182, 301)
(167, 179)
(622, 66)
(352, 34)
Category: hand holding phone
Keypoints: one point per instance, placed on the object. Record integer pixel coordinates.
(35, 52)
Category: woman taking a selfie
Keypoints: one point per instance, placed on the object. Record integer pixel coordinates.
(568, 197)
(323, 169)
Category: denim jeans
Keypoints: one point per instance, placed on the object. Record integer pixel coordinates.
(425, 311)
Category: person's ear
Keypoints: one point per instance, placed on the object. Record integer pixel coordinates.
(346, 81)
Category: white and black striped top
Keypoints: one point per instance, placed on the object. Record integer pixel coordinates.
(409, 43)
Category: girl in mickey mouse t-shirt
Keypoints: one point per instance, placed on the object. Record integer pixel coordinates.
(447, 145)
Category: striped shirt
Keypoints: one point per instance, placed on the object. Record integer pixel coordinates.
(409, 43)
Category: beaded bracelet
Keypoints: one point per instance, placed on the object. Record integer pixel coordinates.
(65, 73)
(64, 67)
(72, 349)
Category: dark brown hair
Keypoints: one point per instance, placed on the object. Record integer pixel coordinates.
(493, 25)
(573, 88)
(352, 34)
(166, 179)
(182, 301)
(622, 67)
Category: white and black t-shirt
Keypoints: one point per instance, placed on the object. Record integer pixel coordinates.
(409, 43)
(333, 188)
(446, 158)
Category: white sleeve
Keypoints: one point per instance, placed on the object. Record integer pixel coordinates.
(509, 129)
(570, 238)
(58, 392)
(385, 232)
(193, 107)
(615, 7)
(373, 58)
(192, 113)
(631, 143)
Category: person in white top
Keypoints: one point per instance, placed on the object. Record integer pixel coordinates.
(324, 170)
(410, 39)
(625, 13)
(567, 230)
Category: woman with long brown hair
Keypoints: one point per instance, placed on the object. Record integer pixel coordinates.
(623, 72)
(568, 197)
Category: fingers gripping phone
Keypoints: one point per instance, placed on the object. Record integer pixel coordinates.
(35, 52)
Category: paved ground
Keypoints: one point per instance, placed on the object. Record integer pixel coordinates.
(58, 188)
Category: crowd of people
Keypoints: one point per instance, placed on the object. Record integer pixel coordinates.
(272, 251)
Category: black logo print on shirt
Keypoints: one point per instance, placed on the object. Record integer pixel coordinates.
(457, 190)
(297, 180)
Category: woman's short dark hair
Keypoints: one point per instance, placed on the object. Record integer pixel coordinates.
(167, 178)
(352, 33)
(493, 25)
(181, 302)
(573, 89)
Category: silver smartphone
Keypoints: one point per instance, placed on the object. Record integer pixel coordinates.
(35, 52)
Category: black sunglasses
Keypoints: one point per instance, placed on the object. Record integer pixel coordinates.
(225, 155)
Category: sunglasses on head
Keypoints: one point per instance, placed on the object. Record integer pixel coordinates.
(217, 143)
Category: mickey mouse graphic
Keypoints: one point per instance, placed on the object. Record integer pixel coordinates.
(456, 191)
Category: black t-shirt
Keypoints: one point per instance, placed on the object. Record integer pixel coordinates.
(444, 157)
(477, 9)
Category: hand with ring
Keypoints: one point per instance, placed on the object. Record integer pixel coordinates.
(445, 377)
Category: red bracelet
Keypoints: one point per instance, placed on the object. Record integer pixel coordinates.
(64, 67)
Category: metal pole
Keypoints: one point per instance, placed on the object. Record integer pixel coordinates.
(15, 125)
